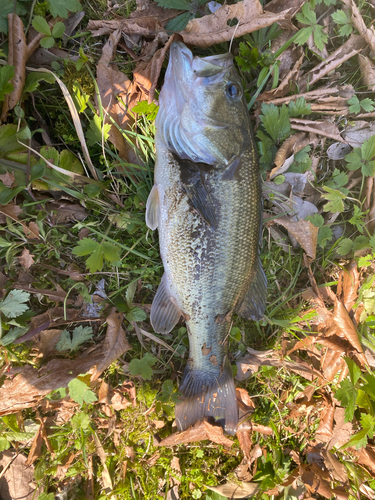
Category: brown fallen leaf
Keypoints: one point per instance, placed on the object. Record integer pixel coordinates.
(11, 210)
(367, 33)
(8, 179)
(105, 475)
(335, 467)
(331, 363)
(367, 69)
(348, 283)
(213, 28)
(118, 95)
(36, 447)
(325, 429)
(349, 49)
(342, 431)
(292, 145)
(366, 457)
(26, 259)
(115, 343)
(304, 232)
(233, 490)
(343, 322)
(64, 211)
(17, 56)
(313, 483)
(31, 231)
(64, 467)
(17, 478)
(325, 128)
(198, 432)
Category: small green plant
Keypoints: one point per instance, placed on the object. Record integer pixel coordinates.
(308, 17)
(98, 253)
(362, 158)
(50, 36)
(356, 104)
(344, 21)
(6, 74)
(143, 367)
(13, 311)
(80, 335)
(80, 392)
(191, 8)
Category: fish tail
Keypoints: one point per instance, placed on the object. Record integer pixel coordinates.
(206, 396)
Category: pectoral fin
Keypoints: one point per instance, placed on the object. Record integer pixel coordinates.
(201, 201)
(152, 208)
(253, 304)
(164, 312)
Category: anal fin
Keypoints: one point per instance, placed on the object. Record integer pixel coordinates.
(253, 304)
(152, 208)
(164, 312)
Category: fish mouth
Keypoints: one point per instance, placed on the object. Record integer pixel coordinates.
(186, 67)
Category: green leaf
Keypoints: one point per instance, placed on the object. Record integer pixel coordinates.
(95, 261)
(368, 149)
(368, 169)
(58, 30)
(299, 108)
(369, 388)
(180, 22)
(325, 235)
(60, 8)
(97, 132)
(320, 37)
(340, 17)
(354, 104)
(80, 421)
(368, 423)
(111, 252)
(80, 335)
(354, 159)
(33, 79)
(367, 105)
(13, 334)
(80, 392)
(354, 370)
(276, 121)
(279, 179)
(6, 74)
(130, 292)
(365, 261)
(175, 4)
(144, 108)
(142, 366)
(359, 440)
(335, 200)
(345, 246)
(41, 25)
(361, 242)
(136, 314)
(47, 42)
(347, 394)
(4, 444)
(85, 247)
(303, 35)
(14, 303)
(307, 16)
(316, 219)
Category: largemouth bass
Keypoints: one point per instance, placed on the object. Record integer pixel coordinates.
(206, 204)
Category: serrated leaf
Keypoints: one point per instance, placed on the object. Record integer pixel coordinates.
(180, 22)
(95, 261)
(58, 30)
(299, 108)
(80, 392)
(335, 200)
(80, 421)
(368, 169)
(340, 17)
(359, 440)
(6, 74)
(368, 149)
(325, 235)
(367, 105)
(346, 30)
(142, 366)
(33, 79)
(354, 104)
(14, 303)
(368, 422)
(347, 394)
(361, 242)
(345, 246)
(65, 342)
(276, 121)
(13, 334)
(60, 8)
(303, 35)
(354, 370)
(47, 42)
(136, 314)
(316, 219)
(354, 159)
(80, 335)
(111, 252)
(97, 132)
(4, 444)
(307, 16)
(320, 37)
(85, 247)
(40, 24)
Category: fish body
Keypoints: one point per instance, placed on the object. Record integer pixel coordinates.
(206, 203)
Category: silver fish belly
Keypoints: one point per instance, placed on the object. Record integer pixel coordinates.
(206, 203)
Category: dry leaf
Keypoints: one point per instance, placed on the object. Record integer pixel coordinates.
(313, 483)
(104, 391)
(31, 231)
(367, 69)
(198, 432)
(335, 467)
(292, 145)
(17, 55)
(343, 322)
(367, 33)
(326, 423)
(26, 259)
(17, 478)
(36, 447)
(11, 210)
(105, 475)
(173, 494)
(325, 128)
(63, 468)
(244, 439)
(64, 211)
(119, 401)
(211, 29)
(342, 431)
(332, 363)
(115, 343)
(349, 49)
(304, 232)
(348, 283)
(366, 457)
(8, 179)
(357, 132)
(118, 95)
(233, 490)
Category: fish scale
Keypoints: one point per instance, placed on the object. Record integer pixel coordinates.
(208, 214)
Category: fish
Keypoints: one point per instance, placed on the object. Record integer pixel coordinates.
(206, 204)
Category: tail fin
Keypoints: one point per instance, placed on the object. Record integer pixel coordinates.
(205, 394)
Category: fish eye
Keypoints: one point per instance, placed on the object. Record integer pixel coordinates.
(233, 91)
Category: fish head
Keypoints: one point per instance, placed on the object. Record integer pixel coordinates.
(203, 115)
